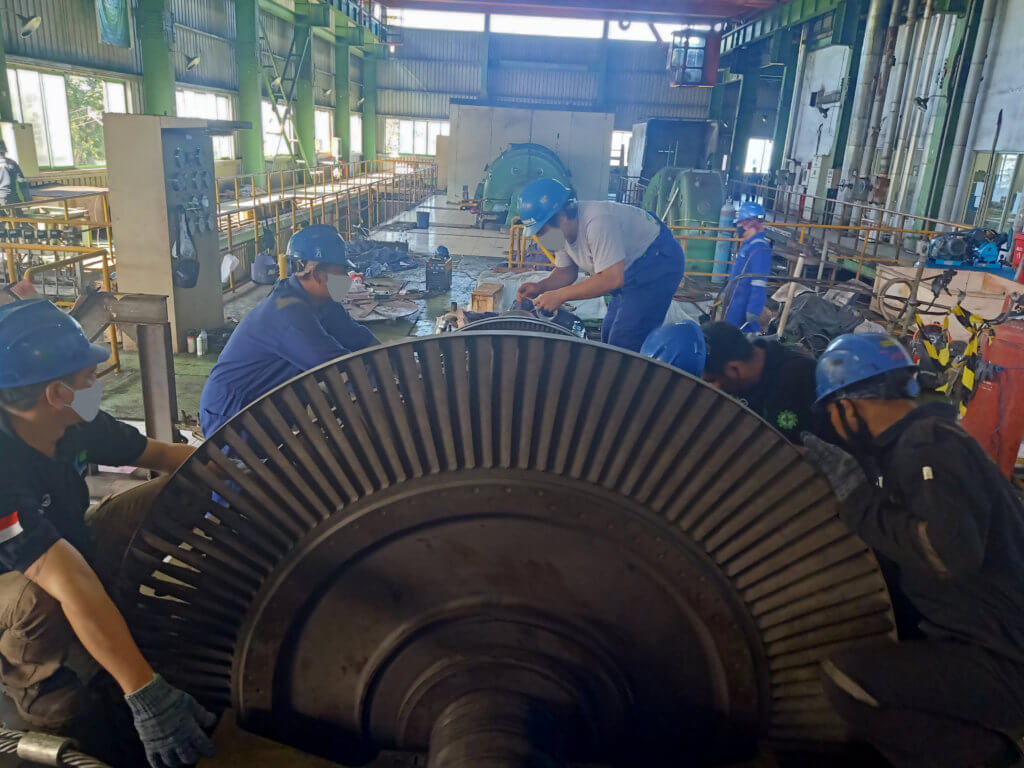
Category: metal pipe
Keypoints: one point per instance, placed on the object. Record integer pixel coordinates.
(867, 73)
(797, 272)
(902, 73)
(925, 30)
(958, 169)
(881, 90)
(941, 26)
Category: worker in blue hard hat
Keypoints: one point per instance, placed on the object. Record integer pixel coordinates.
(55, 560)
(680, 344)
(747, 288)
(629, 254)
(299, 326)
(948, 529)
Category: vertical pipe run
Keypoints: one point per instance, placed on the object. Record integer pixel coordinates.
(871, 52)
(958, 169)
(342, 108)
(900, 82)
(370, 107)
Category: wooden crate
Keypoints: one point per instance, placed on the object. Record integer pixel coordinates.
(486, 297)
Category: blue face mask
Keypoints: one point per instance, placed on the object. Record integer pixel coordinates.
(86, 402)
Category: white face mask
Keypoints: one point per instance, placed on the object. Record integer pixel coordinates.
(86, 402)
(338, 285)
(553, 239)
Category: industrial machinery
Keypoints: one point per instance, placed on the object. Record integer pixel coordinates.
(505, 177)
(686, 197)
(660, 142)
(977, 248)
(437, 546)
(516, 321)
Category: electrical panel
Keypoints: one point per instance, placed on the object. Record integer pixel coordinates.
(191, 202)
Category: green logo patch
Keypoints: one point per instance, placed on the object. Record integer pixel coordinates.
(787, 420)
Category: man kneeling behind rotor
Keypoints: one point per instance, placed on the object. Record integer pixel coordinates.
(50, 552)
(948, 530)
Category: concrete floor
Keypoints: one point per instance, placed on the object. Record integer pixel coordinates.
(473, 250)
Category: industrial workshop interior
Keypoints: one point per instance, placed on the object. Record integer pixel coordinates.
(512, 383)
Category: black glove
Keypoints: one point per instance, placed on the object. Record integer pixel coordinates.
(170, 725)
(842, 471)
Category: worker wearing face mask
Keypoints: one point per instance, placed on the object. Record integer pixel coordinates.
(629, 254)
(299, 326)
(747, 288)
(948, 530)
(57, 560)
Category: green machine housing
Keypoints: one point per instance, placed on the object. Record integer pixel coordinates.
(688, 197)
(505, 177)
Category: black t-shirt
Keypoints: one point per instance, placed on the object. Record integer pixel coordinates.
(44, 499)
(785, 395)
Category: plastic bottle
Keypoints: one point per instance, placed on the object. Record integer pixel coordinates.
(190, 340)
(202, 343)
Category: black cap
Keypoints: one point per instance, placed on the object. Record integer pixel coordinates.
(725, 344)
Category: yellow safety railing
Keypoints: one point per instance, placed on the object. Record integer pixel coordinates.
(81, 254)
(353, 197)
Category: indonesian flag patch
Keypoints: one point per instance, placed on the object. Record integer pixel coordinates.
(10, 526)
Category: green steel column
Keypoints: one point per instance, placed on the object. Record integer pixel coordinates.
(342, 107)
(744, 120)
(156, 40)
(370, 105)
(6, 110)
(247, 58)
(485, 57)
(786, 45)
(302, 107)
(847, 31)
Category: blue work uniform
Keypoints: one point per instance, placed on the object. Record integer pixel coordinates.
(283, 336)
(649, 284)
(746, 295)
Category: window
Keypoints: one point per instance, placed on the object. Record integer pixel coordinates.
(355, 129)
(413, 137)
(759, 156)
(208, 105)
(273, 140)
(687, 58)
(322, 131)
(641, 30)
(88, 98)
(548, 26)
(454, 21)
(620, 147)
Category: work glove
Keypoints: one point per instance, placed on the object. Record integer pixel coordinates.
(170, 724)
(842, 471)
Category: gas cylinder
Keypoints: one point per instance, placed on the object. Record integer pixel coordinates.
(995, 415)
(723, 251)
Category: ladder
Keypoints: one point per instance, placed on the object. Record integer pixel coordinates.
(280, 85)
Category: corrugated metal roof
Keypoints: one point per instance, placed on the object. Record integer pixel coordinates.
(214, 16)
(438, 45)
(543, 86)
(434, 76)
(216, 66)
(323, 55)
(637, 57)
(68, 34)
(548, 49)
(412, 104)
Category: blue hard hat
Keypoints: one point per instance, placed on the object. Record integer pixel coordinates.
(40, 343)
(539, 201)
(856, 357)
(441, 252)
(318, 242)
(681, 345)
(749, 210)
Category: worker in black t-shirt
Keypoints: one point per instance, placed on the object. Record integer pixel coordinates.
(50, 594)
(948, 530)
(774, 380)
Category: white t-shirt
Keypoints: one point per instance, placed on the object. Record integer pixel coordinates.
(609, 233)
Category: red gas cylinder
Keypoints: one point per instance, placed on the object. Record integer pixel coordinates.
(995, 416)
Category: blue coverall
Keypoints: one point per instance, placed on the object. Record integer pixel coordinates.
(746, 295)
(283, 336)
(640, 305)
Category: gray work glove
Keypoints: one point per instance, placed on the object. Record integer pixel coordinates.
(170, 724)
(842, 471)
